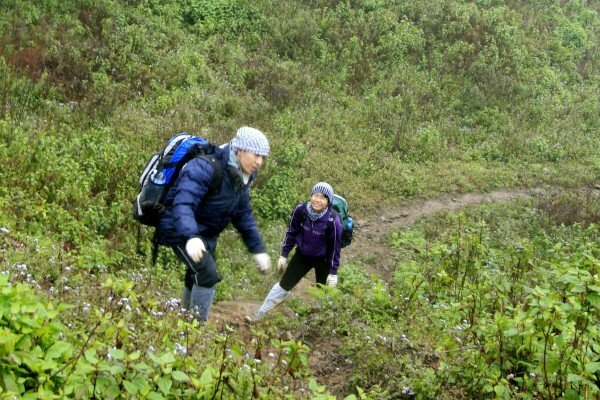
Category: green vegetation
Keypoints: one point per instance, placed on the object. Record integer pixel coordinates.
(388, 101)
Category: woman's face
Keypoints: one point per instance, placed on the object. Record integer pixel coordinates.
(318, 201)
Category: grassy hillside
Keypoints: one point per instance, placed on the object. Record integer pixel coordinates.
(411, 98)
(388, 101)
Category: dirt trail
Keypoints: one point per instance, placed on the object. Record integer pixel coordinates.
(371, 236)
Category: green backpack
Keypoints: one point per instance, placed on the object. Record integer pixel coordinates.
(340, 205)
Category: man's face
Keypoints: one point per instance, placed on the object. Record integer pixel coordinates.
(249, 162)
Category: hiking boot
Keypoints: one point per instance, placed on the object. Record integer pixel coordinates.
(253, 318)
(274, 299)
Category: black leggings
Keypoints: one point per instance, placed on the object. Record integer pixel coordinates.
(299, 266)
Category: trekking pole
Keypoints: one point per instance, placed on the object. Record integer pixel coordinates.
(139, 238)
(154, 248)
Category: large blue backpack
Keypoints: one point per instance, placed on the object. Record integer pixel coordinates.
(162, 171)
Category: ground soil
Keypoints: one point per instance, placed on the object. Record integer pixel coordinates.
(370, 242)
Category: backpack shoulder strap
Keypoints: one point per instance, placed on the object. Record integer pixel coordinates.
(331, 221)
(209, 153)
(215, 183)
(303, 212)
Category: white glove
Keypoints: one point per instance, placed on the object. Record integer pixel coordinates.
(195, 247)
(263, 262)
(282, 264)
(331, 280)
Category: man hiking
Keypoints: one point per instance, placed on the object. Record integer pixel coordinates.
(195, 215)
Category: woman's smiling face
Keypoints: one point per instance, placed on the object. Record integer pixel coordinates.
(318, 201)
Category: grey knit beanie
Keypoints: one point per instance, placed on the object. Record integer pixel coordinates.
(252, 140)
(325, 188)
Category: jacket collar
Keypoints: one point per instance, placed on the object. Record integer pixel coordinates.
(234, 167)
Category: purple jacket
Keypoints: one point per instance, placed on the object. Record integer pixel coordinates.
(314, 239)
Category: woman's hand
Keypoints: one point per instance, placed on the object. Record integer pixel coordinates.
(282, 264)
(331, 280)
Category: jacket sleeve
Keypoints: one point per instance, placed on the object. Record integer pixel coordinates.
(293, 230)
(192, 185)
(334, 246)
(244, 222)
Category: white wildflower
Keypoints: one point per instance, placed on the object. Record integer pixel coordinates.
(179, 349)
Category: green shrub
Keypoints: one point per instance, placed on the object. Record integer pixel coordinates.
(34, 345)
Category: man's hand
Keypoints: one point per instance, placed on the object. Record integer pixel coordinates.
(331, 280)
(282, 264)
(263, 262)
(195, 248)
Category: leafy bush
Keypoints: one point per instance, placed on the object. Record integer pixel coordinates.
(34, 346)
(568, 208)
(230, 19)
(128, 349)
(502, 292)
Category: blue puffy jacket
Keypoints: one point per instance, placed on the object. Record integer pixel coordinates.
(191, 213)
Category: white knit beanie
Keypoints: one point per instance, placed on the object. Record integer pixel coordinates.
(252, 140)
(325, 188)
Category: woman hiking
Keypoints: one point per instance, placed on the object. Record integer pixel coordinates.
(315, 231)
